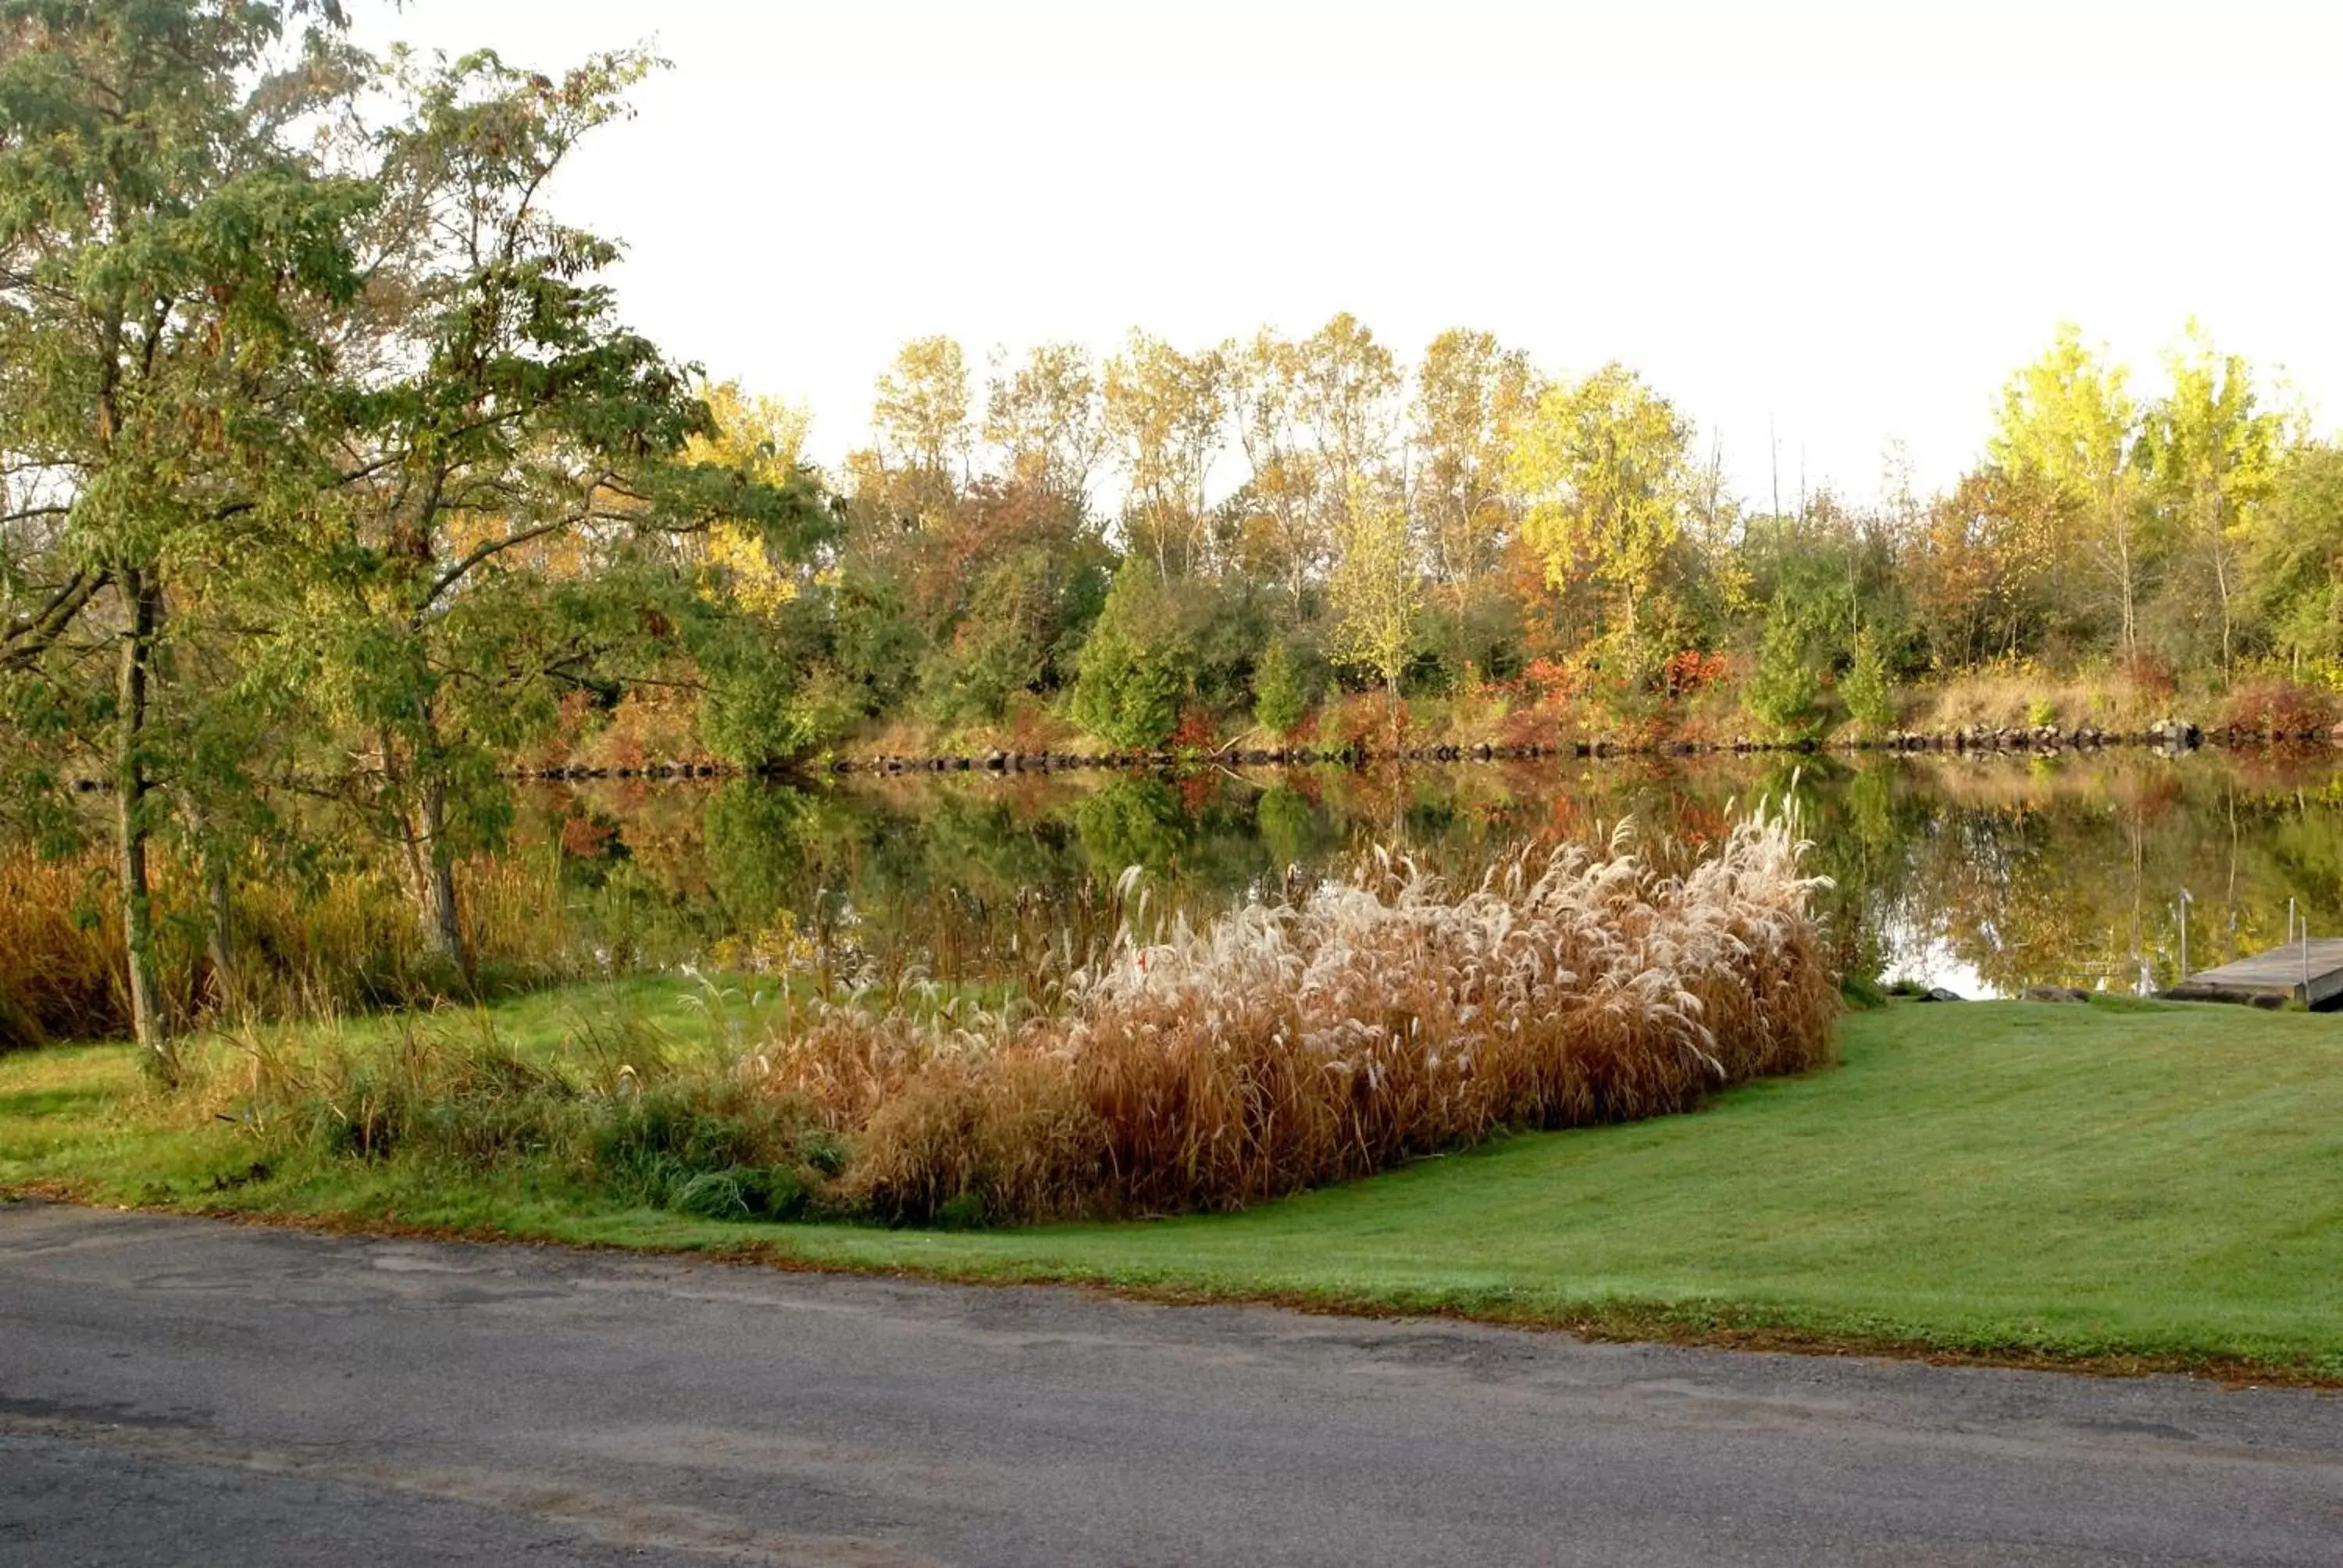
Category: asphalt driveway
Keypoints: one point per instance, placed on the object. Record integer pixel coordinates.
(186, 1391)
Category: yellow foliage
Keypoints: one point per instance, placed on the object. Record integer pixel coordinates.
(778, 948)
(764, 437)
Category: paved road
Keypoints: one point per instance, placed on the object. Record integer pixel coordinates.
(180, 1392)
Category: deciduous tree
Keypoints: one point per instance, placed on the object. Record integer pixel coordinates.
(1601, 465)
(2069, 421)
(172, 261)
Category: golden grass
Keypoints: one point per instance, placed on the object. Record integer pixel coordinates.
(61, 969)
(1282, 1046)
(2019, 695)
(303, 950)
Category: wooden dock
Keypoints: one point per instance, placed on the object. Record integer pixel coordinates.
(2310, 972)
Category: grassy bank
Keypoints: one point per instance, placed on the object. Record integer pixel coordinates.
(2133, 1182)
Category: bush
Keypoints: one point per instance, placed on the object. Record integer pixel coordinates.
(1870, 701)
(2279, 708)
(1279, 702)
(1284, 1046)
(700, 1150)
(1134, 668)
(1782, 690)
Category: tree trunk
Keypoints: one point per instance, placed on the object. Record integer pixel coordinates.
(443, 926)
(2221, 581)
(422, 821)
(219, 942)
(143, 596)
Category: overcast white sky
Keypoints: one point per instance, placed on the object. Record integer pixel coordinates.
(1846, 233)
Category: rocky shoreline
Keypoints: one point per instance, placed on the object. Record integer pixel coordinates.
(2170, 736)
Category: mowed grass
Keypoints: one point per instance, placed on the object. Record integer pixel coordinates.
(2128, 1181)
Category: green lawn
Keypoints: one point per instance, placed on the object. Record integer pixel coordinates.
(2117, 1181)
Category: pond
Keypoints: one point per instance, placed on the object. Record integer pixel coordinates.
(1984, 875)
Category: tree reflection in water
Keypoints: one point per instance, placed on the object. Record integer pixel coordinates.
(2002, 872)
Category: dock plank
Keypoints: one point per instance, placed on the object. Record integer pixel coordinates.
(2310, 972)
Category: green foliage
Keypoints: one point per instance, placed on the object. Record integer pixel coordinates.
(1293, 828)
(1131, 823)
(1280, 702)
(1782, 689)
(715, 1153)
(1137, 664)
(2295, 558)
(172, 261)
(1870, 697)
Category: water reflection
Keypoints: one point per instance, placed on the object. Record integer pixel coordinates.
(1987, 875)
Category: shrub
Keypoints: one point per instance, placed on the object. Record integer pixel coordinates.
(1782, 690)
(1282, 1046)
(1691, 670)
(2280, 707)
(1870, 700)
(1134, 665)
(702, 1149)
(1279, 701)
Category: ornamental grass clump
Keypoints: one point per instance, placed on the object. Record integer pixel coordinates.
(1356, 1026)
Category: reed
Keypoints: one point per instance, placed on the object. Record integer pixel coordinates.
(1321, 1030)
(1360, 1024)
(304, 948)
(61, 969)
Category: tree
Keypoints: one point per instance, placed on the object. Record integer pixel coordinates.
(1870, 695)
(1279, 701)
(1979, 573)
(1377, 589)
(2211, 458)
(1046, 418)
(763, 438)
(1135, 665)
(1265, 398)
(1006, 585)
(2294, 557)
(1469, 394)
(1165, 411)
(172, 261)
(1344, 382)
(1602, 465)
(512, 477)
(1781, 690)
(2067, 421)
(921, 414)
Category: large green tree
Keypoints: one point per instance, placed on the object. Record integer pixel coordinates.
(174, 262)
(499, 537)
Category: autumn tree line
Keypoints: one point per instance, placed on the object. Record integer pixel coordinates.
(1230, 533)
(333, 481)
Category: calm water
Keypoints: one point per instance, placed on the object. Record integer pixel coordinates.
(1986, 876)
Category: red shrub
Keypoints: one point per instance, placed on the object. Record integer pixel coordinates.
(2150, 676)
(2278, 708)
(1195, 731)
(1686, 672)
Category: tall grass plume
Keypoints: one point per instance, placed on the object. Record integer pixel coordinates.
(1357, 1025)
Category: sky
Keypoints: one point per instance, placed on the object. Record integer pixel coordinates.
(1816, 231)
